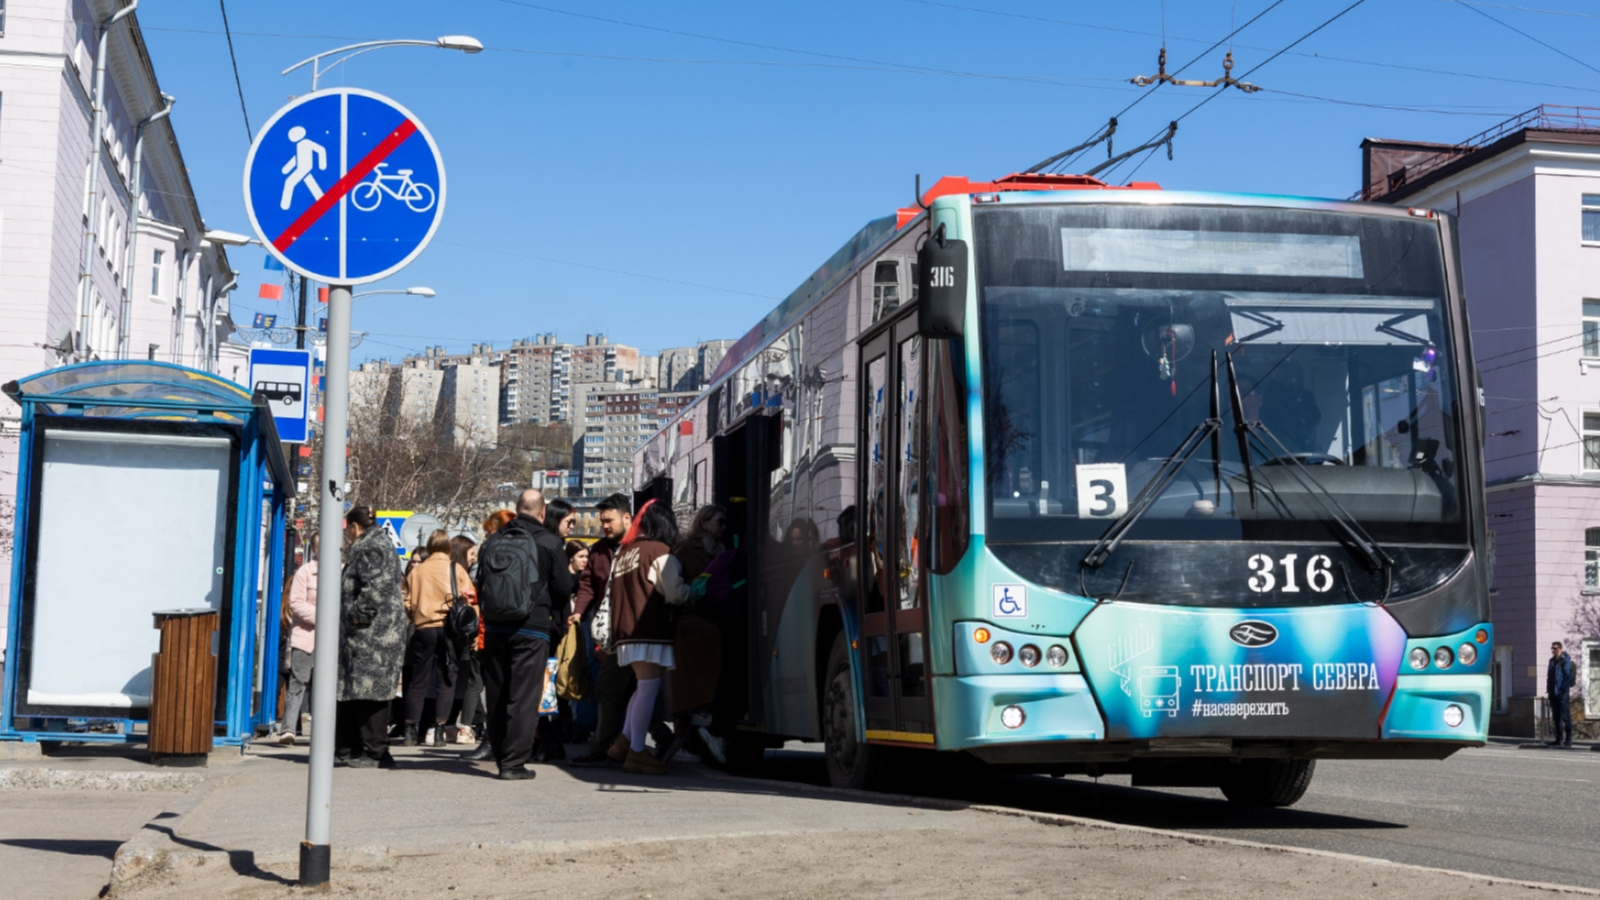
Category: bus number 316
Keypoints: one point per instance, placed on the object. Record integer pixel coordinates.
(1319, 573)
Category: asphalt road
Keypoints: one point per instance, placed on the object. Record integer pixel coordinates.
(1499, 811)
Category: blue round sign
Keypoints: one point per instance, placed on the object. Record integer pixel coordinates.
(344, 186)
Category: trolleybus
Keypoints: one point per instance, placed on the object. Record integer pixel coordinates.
(1074, 478)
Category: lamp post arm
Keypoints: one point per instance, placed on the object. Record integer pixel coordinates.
(316, 61)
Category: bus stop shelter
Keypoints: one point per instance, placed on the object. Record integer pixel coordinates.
(141, 486)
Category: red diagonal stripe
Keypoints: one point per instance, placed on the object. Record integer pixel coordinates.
(344, 185)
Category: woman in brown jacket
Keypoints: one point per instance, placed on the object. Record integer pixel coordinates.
(646, 581)
(429, 657)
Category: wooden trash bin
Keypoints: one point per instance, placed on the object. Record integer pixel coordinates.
(183, 687)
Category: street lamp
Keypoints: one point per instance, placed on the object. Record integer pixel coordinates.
(460, 42)
(413, 291)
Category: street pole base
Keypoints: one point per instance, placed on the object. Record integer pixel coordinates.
(314, 860)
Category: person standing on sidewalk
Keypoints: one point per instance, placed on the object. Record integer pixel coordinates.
(302, 640)
(614, 683)
(646, 583)
(522, 575)
(431, 589)
(1559, 676)
(464, 552)
(372, 643)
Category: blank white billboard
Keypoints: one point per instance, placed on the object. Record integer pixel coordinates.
(128, 524)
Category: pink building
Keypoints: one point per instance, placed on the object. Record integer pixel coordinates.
(1528, 196)
(149, 285)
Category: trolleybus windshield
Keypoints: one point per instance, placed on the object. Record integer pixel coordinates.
(1099, 324)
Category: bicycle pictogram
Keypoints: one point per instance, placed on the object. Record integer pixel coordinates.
(367, 195)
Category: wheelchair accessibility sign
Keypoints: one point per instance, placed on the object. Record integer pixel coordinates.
(344, 186)
(1009, 601)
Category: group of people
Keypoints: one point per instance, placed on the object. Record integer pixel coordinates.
(487, 616)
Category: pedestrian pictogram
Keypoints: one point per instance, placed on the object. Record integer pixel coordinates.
(344, 186)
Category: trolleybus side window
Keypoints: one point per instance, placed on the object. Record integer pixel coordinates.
(948, 524)
(877, 488)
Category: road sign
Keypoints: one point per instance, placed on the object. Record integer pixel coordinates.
(344, 186)
(284, 378)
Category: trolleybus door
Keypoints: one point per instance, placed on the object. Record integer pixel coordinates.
(893, 650)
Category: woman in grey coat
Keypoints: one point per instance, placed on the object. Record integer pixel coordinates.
(372, 643)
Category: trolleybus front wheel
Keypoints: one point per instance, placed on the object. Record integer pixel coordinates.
(1265, 782)
(851, 763)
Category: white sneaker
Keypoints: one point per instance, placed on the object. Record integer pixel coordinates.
(285, 738)
(465, 735)
(427, 740)
(717, 746)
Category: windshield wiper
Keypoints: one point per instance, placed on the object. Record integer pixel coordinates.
(1164, 476)
(1368, 549)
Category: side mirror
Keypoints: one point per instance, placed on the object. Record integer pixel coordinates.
(941, 287)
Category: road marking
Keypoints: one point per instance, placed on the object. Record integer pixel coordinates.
(344, 185)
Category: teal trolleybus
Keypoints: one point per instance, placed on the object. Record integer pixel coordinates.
(1074, 478)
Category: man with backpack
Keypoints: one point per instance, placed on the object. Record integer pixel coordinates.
(522, 576)
(1559, 677)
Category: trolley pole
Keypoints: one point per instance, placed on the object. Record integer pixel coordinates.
(316, 849)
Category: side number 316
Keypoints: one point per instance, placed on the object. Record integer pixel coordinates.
(1319, 574)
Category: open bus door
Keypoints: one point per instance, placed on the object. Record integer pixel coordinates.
(659, 489)
(742, 464)
(892, 652)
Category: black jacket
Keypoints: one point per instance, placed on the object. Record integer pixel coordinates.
(1559, 675)
(553, 570)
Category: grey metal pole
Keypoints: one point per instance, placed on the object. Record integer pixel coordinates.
(315, 849)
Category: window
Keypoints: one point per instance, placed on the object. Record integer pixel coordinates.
(159, 255)
(1591, 218)
(1591, 559)
(886, 286)
(1591, 442)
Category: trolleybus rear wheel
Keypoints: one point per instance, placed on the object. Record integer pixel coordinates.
(851, 763)
(1265, 782)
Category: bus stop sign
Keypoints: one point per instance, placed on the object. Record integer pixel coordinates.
(284, 378)
(344, 186)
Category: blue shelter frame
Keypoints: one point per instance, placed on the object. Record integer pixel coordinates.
(132, 396)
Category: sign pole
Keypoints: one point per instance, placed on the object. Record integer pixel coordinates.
(315, 850)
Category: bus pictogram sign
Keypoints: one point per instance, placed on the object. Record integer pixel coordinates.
(344, 186)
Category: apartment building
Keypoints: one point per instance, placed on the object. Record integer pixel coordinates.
(1527, 194)
(690, 368)
(616, 421)
(538, 375)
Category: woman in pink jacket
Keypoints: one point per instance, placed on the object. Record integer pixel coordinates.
(302, 640)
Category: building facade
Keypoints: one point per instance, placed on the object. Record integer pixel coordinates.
(1527, 194)
(538, 375)
(616, 421)
(102, 245)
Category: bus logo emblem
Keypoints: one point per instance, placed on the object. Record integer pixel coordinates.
(1253, 634)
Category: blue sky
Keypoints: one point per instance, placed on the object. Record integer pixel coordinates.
(664, 173)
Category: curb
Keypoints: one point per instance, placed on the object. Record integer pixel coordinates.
(23, 779)
(146, 852)
(1062, 820)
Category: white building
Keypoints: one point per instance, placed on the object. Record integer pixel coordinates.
(1528, 196)
(149, 285)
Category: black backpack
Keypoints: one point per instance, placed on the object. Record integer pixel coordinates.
(508, 576)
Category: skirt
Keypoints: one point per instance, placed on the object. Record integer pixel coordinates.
(630, 653)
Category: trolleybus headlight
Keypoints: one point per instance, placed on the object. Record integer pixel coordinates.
(981, 635)
(1419, 658)
(1453, 716)
(1467, 653)
(1443, 658)
(1056, 656)
(1029, 655)
(1000, 652)
(1012, 717)
(1482, 636)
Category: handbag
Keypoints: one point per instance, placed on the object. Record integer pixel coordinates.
(572, 667)
(460, 621)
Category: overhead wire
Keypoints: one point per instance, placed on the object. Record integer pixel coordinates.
(1504, 24)
(1257, 67)
(249, 133)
